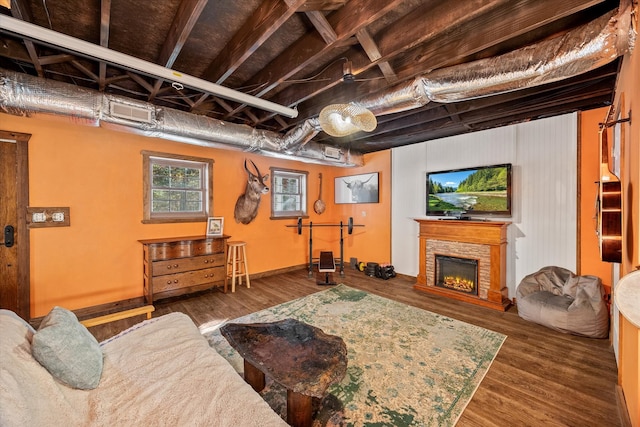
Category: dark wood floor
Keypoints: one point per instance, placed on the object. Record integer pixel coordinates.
(539, 378)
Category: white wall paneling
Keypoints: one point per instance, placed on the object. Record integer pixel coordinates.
(544, 158)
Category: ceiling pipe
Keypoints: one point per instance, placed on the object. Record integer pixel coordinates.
(581, 50)
(578, 51)
(44, 35)
(25, 95)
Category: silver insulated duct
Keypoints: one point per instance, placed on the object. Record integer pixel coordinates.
(581, 50)
(22, 94)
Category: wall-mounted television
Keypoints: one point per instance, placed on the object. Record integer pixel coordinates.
(478, 191)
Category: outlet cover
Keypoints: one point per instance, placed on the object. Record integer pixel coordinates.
(48, 217)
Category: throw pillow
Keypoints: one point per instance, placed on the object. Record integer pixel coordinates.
(67, 350)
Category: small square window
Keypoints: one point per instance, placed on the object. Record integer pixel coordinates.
(288, 193)
(176, 188)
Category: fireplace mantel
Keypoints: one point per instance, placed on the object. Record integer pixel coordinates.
(484, 240)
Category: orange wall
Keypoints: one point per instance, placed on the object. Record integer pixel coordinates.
(589, 251)
(98, 174)
(628, 103)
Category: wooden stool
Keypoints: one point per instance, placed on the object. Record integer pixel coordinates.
(237, 263)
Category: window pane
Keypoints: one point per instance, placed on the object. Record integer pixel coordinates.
(161, 175)
(177, 187)
(288, 198)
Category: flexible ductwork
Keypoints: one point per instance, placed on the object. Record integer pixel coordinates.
(22, 94)
(583, 49)
(579, 51)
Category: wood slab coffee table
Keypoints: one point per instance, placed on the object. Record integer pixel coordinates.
(298, 356)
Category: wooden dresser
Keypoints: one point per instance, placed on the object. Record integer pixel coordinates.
(180, 265)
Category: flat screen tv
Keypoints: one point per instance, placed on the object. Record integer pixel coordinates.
(478, 191)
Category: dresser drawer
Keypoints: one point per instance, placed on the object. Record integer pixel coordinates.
(206, 247)
(187, 279)
(184, 249)
(179, 265)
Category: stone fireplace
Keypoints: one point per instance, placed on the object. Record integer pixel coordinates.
(458, 274)
(484, 242)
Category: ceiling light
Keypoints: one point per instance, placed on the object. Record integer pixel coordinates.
(345, 119)
(347, 72)
(90, 50)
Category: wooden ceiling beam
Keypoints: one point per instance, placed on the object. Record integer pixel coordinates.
(425, 23)
(56, 59)
(87, 72)
(14, 50)
(266, 20)
(20, 10)
(323, 27)
(185, 19)
(510, 114)
(371, 48)
(105, 25)
(465, 110)
(311, 5)
(446, 47)
(346, 21)
(507, 22)
(139, 80)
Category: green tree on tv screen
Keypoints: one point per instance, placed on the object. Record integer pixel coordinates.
(493, 179)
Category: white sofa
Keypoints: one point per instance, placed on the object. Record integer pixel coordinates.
(160, 372)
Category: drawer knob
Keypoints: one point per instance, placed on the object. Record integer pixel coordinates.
(175, 281)
(175, 265)
(206, 261)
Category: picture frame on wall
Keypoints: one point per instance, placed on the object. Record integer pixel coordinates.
(215, 226)
(361, 188)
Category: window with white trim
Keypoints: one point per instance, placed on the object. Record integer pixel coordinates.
(176, 188)
(288, 193)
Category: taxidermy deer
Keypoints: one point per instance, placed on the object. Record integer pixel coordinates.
(249, 202)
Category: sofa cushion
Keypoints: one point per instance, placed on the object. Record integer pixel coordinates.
(68, 350)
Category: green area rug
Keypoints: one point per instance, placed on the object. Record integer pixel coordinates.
(406, 366)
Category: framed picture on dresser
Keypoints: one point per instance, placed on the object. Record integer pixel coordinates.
(215, 225)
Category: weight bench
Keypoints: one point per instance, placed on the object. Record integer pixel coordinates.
(326, 265)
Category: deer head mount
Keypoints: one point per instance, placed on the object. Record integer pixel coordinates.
(248, 203)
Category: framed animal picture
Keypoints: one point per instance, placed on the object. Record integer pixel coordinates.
(357, 188)
(215, 225)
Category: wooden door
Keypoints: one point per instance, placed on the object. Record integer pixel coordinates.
(14, 235)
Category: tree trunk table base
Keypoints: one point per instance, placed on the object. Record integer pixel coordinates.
(298, 356)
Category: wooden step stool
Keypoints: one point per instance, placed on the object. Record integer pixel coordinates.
(237, 263)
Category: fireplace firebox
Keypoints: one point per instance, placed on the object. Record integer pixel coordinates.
(458, 274)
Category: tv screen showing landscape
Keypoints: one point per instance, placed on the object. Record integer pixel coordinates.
(484, 190)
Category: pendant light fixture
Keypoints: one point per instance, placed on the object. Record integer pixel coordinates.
(345, 119)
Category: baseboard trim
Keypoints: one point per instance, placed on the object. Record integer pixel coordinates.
(406, 276)
(100, 310)
(278, 271)
(623, 411)
(128, 304)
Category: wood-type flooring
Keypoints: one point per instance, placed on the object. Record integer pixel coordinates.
(540, 377)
